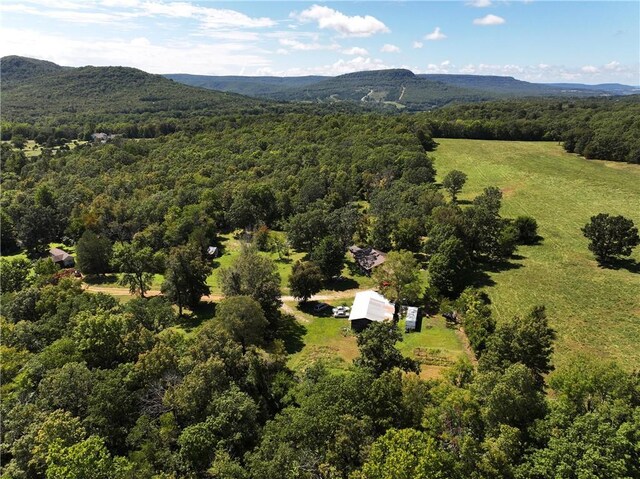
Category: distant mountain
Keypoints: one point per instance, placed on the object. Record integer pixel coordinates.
(252, 86)
(39, 89)
(611, 88)
(396, 88)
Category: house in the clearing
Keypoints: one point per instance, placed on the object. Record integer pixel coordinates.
(102, 137)
(369, 307)
(61, 258)
(213, 251)
(367, 258)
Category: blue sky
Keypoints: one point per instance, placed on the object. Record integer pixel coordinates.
(544, 41)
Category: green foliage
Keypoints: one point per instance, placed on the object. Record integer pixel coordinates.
(527, 340)
(89, 458)
(256, 276)
(328, 255)
(399, 278)
(453, 182)
(93, 254)
(405, 454)
(378, 352)
(448, 267)
(185, 279)
(305, 280)
(137, 264)
(611, 236)
(478, 324)
(527, 228)
(243, 319)
(14, 274)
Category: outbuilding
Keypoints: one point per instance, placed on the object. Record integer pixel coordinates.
(61, 258)
(368, 307)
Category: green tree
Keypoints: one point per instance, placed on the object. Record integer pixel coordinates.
(8, 241)
(231, 426)
(14, 274)
(37, 227)
(527, 340)
(406, 235)
(449, 266)
(137, 264)
(93, 254)
(405, 454)
(328, 255)
(305, 280)
(185, 279)
(527, 228)
(88, 458)
(378, 352)
(610, 236)
(399, 277)
(513, 399)
(257, 276)
(243, 318)
(304, 229)
(453, 182)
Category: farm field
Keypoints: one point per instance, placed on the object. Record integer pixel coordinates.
(595, 311)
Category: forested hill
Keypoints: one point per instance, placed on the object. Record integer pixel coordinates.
(33, 90)
(386, 87)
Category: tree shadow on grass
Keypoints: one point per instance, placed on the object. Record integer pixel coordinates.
(341, 284)
(291, 333)
(104, 279)
(192, 320)
(479, 277)
(629, 264)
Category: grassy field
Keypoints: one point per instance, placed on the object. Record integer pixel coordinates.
(322, 337)
(596, 311)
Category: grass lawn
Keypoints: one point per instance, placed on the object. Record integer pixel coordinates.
(319, 336)
(595, 311)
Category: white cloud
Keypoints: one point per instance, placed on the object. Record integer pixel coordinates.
(418, 44)
(354, 26)
(489, 20)
(305, 47)
(338, 68)
(612, 66)
(117, 11)
(479, 3)
(223, 58)
(435, 35)
(355, 51)
(590, 69)
(388, 48)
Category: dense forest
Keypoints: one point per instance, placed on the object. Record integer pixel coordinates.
(96, 388)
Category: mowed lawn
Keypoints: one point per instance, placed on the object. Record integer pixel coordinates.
(319, 336)
(594, 310)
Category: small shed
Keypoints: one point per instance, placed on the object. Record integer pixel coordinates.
(213, 251)
(411, 321)
(61, 258)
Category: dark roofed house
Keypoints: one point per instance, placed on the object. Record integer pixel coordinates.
(367, 258)
(61, 258)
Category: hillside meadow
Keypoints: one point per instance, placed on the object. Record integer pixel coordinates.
(595, 311)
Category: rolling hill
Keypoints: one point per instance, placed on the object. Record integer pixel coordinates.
(399, 87)
(33, 90)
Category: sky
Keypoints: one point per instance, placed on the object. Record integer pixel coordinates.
(541, 41)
